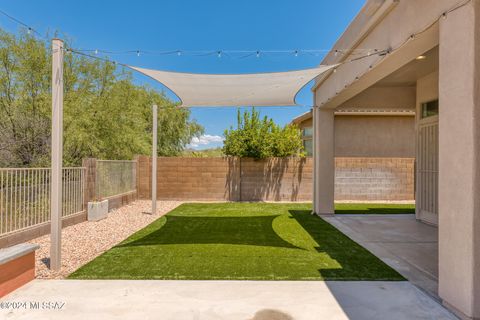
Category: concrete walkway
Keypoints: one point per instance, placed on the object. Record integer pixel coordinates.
(214, 300)
(402, 242)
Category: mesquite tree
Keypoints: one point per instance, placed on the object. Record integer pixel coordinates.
(106, 115)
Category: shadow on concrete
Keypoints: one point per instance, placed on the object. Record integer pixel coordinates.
(384, 210)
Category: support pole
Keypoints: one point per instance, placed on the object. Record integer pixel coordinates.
(154, 158)
(57, 156)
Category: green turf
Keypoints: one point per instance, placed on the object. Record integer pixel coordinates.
(254, 241)
(373, 208)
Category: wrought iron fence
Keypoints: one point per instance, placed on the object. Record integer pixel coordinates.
(114, 177)
(25, 196)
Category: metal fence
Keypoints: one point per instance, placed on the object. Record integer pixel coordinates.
(25, 196)
(114, 177)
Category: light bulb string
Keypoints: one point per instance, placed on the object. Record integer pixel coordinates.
(391, 50)
(246, 53)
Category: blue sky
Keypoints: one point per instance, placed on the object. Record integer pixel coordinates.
(197, 25)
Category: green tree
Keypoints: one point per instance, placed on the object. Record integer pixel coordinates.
(106, 115)
(262, 138)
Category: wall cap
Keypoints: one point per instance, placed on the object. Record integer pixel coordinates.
(17, 251)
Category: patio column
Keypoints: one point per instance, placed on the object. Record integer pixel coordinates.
(324, 161)
(459, 161)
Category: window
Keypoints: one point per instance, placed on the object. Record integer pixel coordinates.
(307, 132)
(429, 109)
(308, 146)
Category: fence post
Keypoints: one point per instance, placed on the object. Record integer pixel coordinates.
(137, 176)
(90, 193)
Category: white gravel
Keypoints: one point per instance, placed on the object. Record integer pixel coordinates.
(84, 241)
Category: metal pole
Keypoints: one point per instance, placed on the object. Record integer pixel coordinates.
(57, 155)
(154, 159)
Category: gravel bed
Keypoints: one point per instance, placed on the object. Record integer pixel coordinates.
(84, 241)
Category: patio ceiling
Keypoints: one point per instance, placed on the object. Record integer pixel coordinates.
(236, 90)
(412, 71)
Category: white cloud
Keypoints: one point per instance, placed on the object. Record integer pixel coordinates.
(205, 140)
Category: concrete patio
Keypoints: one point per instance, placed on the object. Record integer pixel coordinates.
(401, 241)
(209, 300)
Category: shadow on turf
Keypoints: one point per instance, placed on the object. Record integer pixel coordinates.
(355, 262)
(254, 231)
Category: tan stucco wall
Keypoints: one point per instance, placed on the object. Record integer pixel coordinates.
(382, 98)
(459, 161)
(306, 123)
(427, 89)
(375, 136)
(459, 97)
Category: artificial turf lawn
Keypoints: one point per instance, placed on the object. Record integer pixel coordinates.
(238, 241)
(374, 208)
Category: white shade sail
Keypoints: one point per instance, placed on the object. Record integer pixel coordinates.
(236, 90)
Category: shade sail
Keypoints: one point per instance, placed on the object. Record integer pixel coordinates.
(236, 90)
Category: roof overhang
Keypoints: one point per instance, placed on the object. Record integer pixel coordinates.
(372, 13)
(236, 90)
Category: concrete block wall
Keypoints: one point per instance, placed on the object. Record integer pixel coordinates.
(374, 179)
(275, 179)
(191, 178)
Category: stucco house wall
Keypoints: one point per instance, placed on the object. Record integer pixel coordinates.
(379, 122)
(406, 30)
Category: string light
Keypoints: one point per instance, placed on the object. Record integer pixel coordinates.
(351, 52)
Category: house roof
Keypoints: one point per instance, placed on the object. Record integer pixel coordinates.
(304, 116)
